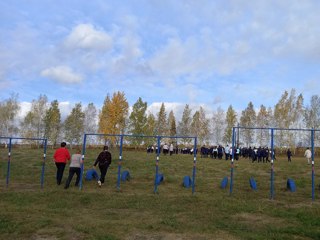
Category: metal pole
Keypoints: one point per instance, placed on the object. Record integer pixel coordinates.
(232, 161)
(120, 162)
(272, 170)
(194, 164)
(312, 156)
(157, 166)
(9, 160)
(238, 135)
(82, 164)
(44, 161)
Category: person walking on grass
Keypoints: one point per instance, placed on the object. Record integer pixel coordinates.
(103, 160)
(61, 156)
(75, 168)
(289, 154)
(308, 154)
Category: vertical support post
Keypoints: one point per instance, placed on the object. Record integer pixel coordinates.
(157, 166)
(44, 161)
(238, 135)
(312, 157)
(194, 164)
(232, 161)
(120, 162)
(272, 170)
(82, 164)
(9, 160)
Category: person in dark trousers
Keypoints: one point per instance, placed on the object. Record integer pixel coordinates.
(104, 160)
(289, 154)
(61, 156)
(75, 168)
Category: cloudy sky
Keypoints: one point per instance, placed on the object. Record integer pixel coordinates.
(197, 52)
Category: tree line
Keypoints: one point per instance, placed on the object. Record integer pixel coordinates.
(44, 121)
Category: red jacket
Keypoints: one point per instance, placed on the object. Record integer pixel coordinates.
(61, 155)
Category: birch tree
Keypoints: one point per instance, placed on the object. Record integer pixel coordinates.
(263, 121)
(53, 123)
(248, 119)
(184, 127)
(162, 128)
(312, 118)
(90, 118)
(150, 129)
(33, 125)
(138, 121)
(231, 120)
(9, 109)
(172, 124)
(218, 124)
(74, 125)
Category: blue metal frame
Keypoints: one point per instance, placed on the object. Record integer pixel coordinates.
(9, 156)
(232, 161)
(157, 156)
(312, 171)
(272, 155)
(120, 163)
(272, 167)
(194, 165)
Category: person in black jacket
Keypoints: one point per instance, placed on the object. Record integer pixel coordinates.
(104, 160)
(289, 154)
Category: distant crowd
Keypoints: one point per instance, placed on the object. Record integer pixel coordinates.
(260, 154)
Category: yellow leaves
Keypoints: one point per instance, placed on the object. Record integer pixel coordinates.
(113, 115)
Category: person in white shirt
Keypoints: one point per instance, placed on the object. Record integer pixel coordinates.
(75, 168)
(308, 154)
(165, 149)
(171, 149)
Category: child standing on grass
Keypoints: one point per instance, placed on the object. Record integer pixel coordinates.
(75, 168)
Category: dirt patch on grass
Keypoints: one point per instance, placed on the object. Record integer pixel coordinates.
(259, 221)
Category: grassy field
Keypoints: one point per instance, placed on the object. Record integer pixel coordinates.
(135, 212)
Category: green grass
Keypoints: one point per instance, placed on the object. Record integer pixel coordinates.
(135, 212)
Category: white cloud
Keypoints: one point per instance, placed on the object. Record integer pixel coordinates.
(63, 74)
(85, 36)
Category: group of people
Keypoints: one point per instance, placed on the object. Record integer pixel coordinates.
(166, 149)
(62, 156)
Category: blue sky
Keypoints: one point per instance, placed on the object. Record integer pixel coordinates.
(209, 53)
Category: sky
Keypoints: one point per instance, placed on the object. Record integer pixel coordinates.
(197, 52)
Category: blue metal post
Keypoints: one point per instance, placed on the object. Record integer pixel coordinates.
(312, 174)
(232, 161)
(272, 173)
(9, 159)
(120, 162)
(194, 164)
(157, 166)
(44, 161)
(82, 164)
